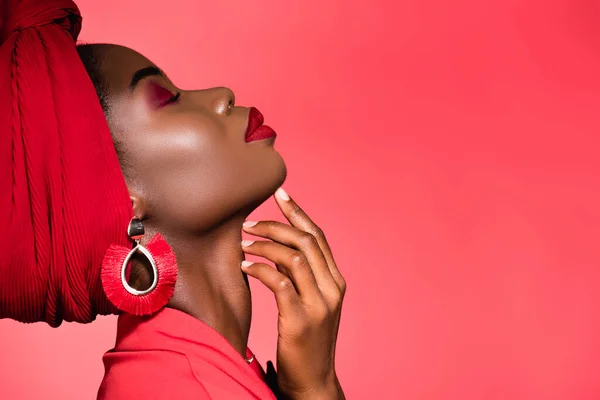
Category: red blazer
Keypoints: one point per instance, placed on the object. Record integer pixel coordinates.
(172, 355)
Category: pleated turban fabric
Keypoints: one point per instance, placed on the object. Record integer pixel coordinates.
(63, 198)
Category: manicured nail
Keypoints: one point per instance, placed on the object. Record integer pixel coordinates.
(282, 194)
(247, 243)
(249, 224)
(246, 264)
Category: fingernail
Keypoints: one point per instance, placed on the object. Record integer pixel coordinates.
(247, 243)
(246, 264)
(249, 224)
(282, 194)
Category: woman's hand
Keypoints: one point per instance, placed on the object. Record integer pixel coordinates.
(309, 290)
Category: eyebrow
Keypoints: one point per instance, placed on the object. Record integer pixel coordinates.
(144, 73)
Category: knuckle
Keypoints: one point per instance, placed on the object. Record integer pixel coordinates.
(343, 286)
(296, 212)
(321, 315)
(309, 240)
(269, 225)
(284, 285)
(318, 232)
(336, 296)
(298, 260)
(338, 304)
(334, 300)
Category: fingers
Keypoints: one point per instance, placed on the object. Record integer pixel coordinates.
(295, 262)
(299, 240)
(282, 287)
(299, 219)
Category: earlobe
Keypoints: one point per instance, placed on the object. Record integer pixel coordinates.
(138, 203)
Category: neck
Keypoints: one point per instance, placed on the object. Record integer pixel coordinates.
(210, 284)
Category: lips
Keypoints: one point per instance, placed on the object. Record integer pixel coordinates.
(256, 130)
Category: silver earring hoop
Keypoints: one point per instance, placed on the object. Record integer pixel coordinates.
(136, 232)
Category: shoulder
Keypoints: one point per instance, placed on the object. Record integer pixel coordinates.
(151, 374)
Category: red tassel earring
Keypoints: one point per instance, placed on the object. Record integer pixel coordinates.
(164, 268)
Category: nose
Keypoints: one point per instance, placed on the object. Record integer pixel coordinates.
(224, 100)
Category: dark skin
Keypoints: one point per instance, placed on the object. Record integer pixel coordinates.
(193, 178)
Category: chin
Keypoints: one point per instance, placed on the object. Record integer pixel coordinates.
(275, 180)
(268, 186)
(282, 171)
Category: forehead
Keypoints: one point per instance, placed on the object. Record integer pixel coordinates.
(118, 64)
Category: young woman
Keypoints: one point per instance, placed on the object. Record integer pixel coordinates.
(188, 169)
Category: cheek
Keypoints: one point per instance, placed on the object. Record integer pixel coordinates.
(185, 166)
(177, 144)
(195, 173)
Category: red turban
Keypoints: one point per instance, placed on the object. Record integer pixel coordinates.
(63, 198)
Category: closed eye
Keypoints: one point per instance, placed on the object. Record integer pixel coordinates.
(159, 96)
(173, 99)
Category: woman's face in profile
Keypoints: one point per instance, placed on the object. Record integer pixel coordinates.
(184, 151)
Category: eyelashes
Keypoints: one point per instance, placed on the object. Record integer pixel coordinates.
(173, 98)
(159, 96)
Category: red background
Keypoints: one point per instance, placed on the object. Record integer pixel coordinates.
(449, 149)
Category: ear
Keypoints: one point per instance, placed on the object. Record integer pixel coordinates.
(139, 204)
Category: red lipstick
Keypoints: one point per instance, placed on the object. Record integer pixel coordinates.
(256, 130)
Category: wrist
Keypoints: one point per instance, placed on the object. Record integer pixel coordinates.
(330, 390)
